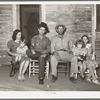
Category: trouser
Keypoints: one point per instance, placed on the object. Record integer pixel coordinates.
(41, 60)
(63, 56)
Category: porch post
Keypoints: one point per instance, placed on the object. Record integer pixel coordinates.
(43, 13)
(16, 18)
(93, 26)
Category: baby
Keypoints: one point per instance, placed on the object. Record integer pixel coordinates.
(21, 51)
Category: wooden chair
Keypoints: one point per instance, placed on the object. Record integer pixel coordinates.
(34, 68)
(64, 69)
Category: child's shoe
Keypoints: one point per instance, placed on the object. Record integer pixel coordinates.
(96, 82)
(23, 78)
(19, 78)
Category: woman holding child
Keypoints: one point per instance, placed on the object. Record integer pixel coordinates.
(83, 50)
(14, 46)
(80, 52)
(90, 63)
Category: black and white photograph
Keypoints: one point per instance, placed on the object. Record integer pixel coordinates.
(50, 47)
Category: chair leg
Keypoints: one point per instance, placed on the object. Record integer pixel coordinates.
(29, 69)
(66, 70)
(69, 69)
(47, 69)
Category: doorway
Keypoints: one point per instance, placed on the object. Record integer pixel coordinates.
(29, 20)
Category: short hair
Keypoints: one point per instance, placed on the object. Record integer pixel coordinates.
(86, 37)
(15, 33)
(63, 26)
(80, 42)
(42, 24)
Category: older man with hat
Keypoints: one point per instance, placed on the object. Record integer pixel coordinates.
(60, 50)
(40, 48)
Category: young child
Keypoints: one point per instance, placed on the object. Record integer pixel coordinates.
(21, 54)
(80, 52)
(21, 51)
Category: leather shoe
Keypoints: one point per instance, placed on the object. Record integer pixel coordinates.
(12, 73)
(72, 79)
(41, 81)
(82, 78)
(54, 78)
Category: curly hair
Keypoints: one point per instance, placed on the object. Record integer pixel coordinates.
(86, 37)
(15, 33)
(80, 42)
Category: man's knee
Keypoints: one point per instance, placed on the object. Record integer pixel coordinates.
(74, 59)
(41, 58)
(53, 58)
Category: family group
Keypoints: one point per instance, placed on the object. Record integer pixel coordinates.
(60, 48)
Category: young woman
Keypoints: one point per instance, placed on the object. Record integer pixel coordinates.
(12, 50)
(90, 63)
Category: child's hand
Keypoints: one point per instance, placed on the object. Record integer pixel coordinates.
(44, 55)
(33, 44)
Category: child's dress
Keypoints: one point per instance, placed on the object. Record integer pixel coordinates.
(80, 53)
(21, 53)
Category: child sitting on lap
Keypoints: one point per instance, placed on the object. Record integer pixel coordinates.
(21, 51)
(80, 52)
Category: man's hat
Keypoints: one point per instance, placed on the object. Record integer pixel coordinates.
(64, 27)
(42, 24)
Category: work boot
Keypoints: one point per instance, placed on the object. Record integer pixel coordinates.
(41, 81)
(14, 69)
(12, 73)
(82, 78)
(72, 79)
(54, 78)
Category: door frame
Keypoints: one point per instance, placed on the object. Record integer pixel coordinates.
(16, 15)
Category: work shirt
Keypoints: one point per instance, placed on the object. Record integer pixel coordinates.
(59, 43)
(41, 45)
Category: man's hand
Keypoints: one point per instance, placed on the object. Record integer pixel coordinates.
(33, 52)
(81, 53)
(44, 55)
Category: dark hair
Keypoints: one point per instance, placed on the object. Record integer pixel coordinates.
(80, 42)
(63, 26)
(42, 24)
(15, 33)
(86, 37)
